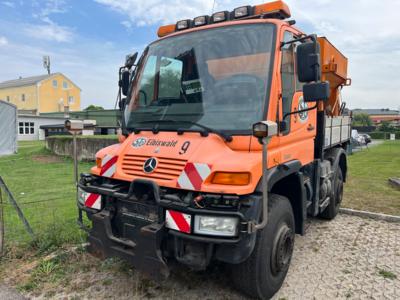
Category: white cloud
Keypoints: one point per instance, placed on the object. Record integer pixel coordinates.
(8, 3)
(50, 32)
(3, 41)
(142, 13)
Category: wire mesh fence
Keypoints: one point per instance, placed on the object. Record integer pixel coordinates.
(37, 200)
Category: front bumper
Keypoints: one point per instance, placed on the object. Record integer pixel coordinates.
(133, 229)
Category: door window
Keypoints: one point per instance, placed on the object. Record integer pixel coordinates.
(288, 77)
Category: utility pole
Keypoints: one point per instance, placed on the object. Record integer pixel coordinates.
(46, 63)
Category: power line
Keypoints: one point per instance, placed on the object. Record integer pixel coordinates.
(213, 7)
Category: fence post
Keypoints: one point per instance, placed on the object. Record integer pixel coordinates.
(17, 208)
(1, 224)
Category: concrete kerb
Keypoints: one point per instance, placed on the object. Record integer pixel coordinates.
(370, 215)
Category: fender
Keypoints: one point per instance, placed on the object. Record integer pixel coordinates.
(279, 172)
(278, 180)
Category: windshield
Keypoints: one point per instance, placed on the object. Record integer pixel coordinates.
(217, 78)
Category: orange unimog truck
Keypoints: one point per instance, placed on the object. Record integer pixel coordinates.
(233, 134)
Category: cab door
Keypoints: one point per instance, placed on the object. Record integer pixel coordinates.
(297, 130)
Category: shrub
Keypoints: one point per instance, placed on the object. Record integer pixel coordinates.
(384, 135)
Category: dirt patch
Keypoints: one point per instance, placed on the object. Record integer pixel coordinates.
(46, 159)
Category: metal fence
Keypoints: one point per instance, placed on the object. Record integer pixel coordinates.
(39, 218)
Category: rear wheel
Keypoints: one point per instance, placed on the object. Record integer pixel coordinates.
(332, 209)
(263, 273)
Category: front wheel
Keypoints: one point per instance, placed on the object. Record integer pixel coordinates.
(263, 273)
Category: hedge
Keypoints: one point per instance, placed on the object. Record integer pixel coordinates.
(383, 135)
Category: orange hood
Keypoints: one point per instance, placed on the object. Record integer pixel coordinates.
(186, 161)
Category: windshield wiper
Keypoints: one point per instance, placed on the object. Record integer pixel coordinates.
(226, 137)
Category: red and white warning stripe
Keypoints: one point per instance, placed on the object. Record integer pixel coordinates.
(178, 221)
(108, 165)
(193, 176)
(93, 201)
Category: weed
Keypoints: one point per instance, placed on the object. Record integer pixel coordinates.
(387, 274)
(45, 268)
(27, 287)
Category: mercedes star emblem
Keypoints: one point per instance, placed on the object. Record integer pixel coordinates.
(150, 165)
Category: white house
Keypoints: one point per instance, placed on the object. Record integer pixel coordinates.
(29, 126)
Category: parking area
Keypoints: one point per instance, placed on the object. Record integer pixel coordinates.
(350, 257)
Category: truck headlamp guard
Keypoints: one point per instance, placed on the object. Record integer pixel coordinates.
(184, 24)
(200, 21)
(220, 16)
(241, 12)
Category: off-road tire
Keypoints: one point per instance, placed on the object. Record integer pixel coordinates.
(260, 276)
(332, 209)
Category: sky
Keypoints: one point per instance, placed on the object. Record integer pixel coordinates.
(88, 40)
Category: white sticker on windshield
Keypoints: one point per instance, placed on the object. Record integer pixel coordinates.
(192, 86)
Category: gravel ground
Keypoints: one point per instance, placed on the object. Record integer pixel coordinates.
(348, 258)
(7, 293)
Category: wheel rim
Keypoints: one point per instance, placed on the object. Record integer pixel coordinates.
(339, 191)
(282, 250)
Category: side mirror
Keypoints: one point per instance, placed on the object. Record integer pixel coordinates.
(265, 129)
(318, 91)
(308, 61)
(124, 83)
(130, 60)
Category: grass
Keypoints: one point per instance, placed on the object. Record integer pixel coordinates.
(43, 186)
(386, 274)
(369, 170)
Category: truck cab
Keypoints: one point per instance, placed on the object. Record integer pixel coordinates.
(232, 135)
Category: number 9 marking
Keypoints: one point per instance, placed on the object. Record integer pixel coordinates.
(184, 148)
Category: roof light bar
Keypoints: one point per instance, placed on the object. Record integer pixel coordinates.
(241, 12)
(182, 25)
(274, 10)
(220, 16)
(200, 21)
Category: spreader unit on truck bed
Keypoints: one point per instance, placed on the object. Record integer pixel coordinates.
(233, 133)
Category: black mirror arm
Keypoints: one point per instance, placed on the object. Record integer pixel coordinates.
(312, 37)
(299, 111)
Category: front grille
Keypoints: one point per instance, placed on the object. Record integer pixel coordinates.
(167, 168)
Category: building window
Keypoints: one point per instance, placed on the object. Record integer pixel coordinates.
(55, 83)
(65, 84)
(26, 128)
(23, 97)
(8, 98)
(71, 100)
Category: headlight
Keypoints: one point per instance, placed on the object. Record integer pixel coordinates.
(218, 226)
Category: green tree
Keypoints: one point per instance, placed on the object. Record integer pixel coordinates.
(93, 107)
(386, 127)
(362, 120)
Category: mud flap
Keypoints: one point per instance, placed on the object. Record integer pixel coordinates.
(144, 254)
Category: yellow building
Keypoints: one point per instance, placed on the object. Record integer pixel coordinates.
(41, 94)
